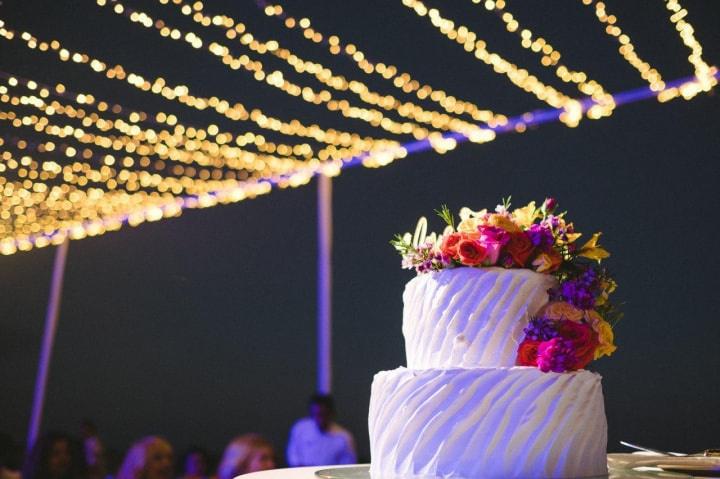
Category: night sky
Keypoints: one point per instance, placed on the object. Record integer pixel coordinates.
(202, 327)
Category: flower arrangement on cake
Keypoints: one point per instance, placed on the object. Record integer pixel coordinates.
(576, 325)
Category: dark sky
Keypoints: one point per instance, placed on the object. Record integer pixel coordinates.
(202, 327)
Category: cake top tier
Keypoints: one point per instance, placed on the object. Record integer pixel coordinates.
(470, 317)
(575, 324)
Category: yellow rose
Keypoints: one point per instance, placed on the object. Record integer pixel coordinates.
(470, 220)
(469, 225)
(503, 222)
(558, 310)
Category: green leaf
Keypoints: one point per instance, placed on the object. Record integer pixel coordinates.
(446, 215)
(506, 202)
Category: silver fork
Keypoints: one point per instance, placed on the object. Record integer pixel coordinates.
(705, 453)
(648, 449)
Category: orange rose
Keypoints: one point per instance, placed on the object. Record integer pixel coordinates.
(527, 353)
(450, 243)
(471, 252)
(520, 248)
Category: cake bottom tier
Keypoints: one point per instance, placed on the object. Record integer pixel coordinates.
(487, 423)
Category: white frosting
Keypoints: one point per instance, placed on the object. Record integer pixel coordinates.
(487, 422)
(470, 317)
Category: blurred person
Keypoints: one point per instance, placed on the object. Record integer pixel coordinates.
(245, 454)
(194, 463)
(55, 456)
(10, 457)
(94, 451)
(318, 440)
(148, 458)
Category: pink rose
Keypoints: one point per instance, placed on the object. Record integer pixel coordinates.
(493, 239)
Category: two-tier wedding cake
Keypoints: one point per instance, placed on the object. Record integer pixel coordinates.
(504, 314)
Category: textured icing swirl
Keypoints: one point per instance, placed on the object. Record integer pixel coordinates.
(487, 422)
(470, 317)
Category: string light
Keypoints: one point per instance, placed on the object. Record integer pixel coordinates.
(627, 49)
(181, 94)
(179, 128)
(519, 77)
(82, 214)
(402, 81)
(35, 214)
(355, 143)
(110, 165)
(706, 78)
(236, 30)
(276, 78)
(550, 58)
(705, 75)
(163, 143)
(27, 229)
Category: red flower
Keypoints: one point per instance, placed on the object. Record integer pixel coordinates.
(520, 248)
(527, 353)
(584, 339)
(471, 252)
(450, 244)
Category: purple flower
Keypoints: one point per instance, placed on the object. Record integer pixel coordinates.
(427, 261)
(579, 295)
(541, 236)
(580, 292)
(557, 355)
(552, 221)
(540, 329)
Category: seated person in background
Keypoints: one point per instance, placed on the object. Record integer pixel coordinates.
(194, 463)
(318, 440)
(94, 453)
(10, 457)
(245, 454)
(55, 456)
(149, 458)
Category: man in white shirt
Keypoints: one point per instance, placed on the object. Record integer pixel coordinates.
(318, 440)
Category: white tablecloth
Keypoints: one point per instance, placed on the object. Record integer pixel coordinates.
(290, 473)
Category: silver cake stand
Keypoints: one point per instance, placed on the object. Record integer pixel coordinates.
(363, 472)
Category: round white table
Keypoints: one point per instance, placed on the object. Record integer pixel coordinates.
(291, 473)
(614, 473)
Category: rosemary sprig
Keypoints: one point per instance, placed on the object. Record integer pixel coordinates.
(447, 216)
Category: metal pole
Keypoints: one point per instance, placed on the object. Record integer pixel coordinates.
(51, 319)
(324, 320)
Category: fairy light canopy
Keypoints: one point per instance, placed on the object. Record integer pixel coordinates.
(96, 133)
